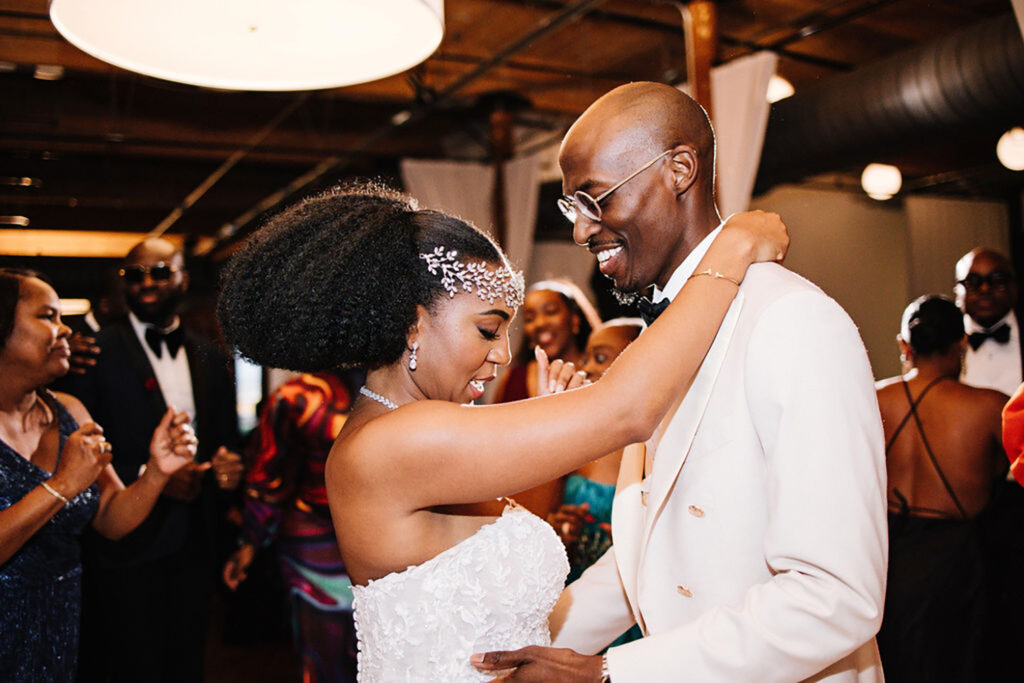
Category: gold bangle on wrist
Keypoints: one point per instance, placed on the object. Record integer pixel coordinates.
(715, 274)
(55, 493)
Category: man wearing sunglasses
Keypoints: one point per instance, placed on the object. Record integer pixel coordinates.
(750, 532)
(986, 291)
(146, 597)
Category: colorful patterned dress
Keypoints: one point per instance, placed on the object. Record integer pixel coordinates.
(286, 501)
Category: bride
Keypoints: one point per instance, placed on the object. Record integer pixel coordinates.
(423, 302)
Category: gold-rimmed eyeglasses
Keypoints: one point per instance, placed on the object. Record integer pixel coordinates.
(581, 202)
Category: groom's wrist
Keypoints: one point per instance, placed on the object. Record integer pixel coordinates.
(605, 676)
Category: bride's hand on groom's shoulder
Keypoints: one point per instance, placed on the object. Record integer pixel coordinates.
(555, 376)
(763, 233)
(535, 664)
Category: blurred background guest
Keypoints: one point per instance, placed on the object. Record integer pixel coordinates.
(146, 597)
(558, 318)
(986, 292)
(286, 503)
(1013, 434)
(943, 458)
(584, 520)
(55, 479)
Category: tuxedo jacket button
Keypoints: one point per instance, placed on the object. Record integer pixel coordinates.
(684, 591)
(696, 511)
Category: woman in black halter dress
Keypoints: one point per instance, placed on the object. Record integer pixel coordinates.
(943, 456)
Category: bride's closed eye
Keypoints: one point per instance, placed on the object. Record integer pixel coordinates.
(489, 335)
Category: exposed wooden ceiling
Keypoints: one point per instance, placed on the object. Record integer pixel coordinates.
(105, 149)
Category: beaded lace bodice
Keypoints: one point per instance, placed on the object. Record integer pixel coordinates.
(492, 591)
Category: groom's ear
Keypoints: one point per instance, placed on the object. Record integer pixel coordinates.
(684, 165)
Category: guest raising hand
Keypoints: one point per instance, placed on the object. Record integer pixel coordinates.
(56, 478)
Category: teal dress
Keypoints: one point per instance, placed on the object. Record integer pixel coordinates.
(596, 534)
(40, 585)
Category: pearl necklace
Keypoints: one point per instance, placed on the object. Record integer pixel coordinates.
(383, 400)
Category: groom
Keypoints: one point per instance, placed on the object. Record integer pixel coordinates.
(750, 531)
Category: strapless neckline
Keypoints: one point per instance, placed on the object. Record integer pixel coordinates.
(511, 508)
(493, 590)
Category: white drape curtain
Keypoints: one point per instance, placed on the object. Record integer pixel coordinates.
(740, 107)
(465, 189)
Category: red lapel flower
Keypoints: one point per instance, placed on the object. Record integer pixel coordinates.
(151, 384)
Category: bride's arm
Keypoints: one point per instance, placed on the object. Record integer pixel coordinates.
(433, 452)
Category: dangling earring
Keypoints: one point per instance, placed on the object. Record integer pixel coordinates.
(412, 356)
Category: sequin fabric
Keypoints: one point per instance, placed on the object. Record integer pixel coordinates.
(40, 585)
(492, 591)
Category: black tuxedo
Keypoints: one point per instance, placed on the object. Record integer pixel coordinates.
(157, 579)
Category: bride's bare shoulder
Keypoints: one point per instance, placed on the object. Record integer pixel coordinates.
(369, 444)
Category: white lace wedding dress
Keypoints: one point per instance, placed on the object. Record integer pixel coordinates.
(492, 591)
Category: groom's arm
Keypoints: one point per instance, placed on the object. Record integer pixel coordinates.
(592, 610)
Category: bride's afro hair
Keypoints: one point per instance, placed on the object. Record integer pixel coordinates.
(334, 281)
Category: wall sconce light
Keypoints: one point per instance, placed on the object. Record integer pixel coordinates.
(1010, 149)
(779, 89)
(881, 181)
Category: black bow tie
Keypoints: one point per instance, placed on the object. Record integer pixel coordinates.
(649, 310)
(173, 339)
(1000, 335)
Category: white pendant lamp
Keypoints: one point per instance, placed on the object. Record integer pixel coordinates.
(881, 181)
(255, 44)
(1010, 149)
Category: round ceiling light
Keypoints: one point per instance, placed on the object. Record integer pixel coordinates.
(255, 44)
(1010, 149)
(881, 181)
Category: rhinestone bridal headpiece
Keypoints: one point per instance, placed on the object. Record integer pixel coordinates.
(488, 283)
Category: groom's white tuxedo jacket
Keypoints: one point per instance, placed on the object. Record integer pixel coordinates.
(759, 552)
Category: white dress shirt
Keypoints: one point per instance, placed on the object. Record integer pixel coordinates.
(994, 365)
(172, 374)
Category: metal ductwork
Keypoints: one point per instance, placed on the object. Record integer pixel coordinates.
(971, 78)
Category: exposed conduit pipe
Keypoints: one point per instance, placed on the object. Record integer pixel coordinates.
(971, 78)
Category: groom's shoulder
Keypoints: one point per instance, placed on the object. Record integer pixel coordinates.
(765, 283)
(770, 287)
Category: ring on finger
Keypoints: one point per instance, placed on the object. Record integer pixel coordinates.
(566, 528)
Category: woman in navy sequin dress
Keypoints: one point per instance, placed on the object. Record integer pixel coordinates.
(55, 477)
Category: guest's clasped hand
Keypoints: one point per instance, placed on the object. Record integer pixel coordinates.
(568, 521)
(85, 454)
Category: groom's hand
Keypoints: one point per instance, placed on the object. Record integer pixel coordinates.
(541, 664)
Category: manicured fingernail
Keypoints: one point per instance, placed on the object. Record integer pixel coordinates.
(476, 659)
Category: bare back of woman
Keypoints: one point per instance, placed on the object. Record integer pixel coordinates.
(961, 427)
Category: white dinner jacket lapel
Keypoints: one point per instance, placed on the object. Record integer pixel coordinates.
(631, 521)
(627, 523)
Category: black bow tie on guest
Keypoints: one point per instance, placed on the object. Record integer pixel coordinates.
(1000, 335)
(174, 340)
(649, 310)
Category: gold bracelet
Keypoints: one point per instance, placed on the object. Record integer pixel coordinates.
(55, 493)
(715, 274)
